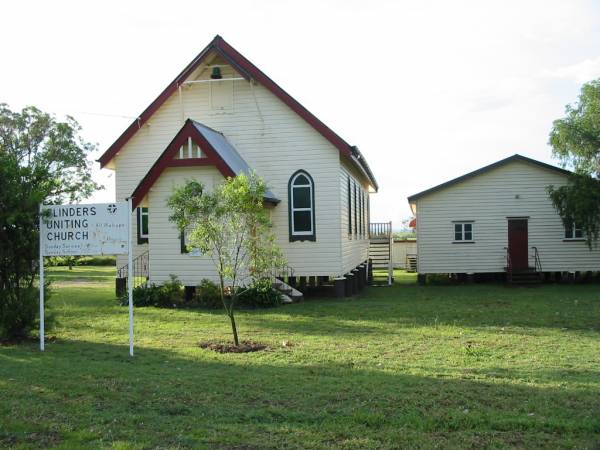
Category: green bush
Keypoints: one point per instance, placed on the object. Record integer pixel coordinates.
(171, 294)
(260, 294)
(167, 295)
(208, 295)
(19, 312)
(143, 295)
(101, 260)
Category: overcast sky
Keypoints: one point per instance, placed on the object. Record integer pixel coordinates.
(428, 90)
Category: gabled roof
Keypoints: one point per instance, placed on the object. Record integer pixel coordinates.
(218, 150)
(502, 162)
(250, 72)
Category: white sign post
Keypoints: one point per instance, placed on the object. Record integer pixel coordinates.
(86, 229)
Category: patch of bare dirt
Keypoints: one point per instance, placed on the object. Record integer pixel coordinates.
(244, 347)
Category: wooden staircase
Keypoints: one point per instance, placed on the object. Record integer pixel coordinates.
(140, 274)
(529, 275)
(525, 276)
(289, 293)
(411, 263)
(380, 250)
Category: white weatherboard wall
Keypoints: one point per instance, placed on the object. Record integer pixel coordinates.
(165, 246)
(355, 246)
(399, 251)
(488, 199)
(274, 141)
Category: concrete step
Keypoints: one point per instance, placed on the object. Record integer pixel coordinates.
(286, 299)
(288, 291)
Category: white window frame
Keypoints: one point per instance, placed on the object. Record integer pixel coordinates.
(574, 230)
(462, 224)
(294, 209)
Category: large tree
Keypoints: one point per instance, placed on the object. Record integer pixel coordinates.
(41, 160)
(575, 140)
(232, 227)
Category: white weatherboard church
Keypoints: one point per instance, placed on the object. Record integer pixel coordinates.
(223, 116)
(498, 219)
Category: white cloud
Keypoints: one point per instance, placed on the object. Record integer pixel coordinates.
(581, 72)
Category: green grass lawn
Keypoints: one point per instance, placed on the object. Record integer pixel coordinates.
(476, 366)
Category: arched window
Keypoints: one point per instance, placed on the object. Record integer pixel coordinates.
(301, 201)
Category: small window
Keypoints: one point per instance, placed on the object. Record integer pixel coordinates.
(360, 212)
(301, 195)
(573, 232)
(183, 248)
(355, 211)
(349, 209)
(463, 232)
(142, 225)
(368, 219)
(189, 150)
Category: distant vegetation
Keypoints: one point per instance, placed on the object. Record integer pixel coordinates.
(104, 260)
(405, 235)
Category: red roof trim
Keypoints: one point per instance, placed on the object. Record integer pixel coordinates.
(166, 159)
(187, 162)
(248, 71)
(157, 103)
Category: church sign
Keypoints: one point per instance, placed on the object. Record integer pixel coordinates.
(92, 229)
(86, 229)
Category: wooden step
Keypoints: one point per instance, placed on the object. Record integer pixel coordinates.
(525, 276)
(287, 291)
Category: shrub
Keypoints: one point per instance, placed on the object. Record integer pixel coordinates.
(96, 261)
(171, 293)
(208, 295)
(260, 294)
(100, 260)
(168, 295)
(19, 312)
(143, 295)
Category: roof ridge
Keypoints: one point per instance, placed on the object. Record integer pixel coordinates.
(250, 72)
(486, 168)
(206, 126)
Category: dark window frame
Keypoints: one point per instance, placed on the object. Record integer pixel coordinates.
(355, 211)
(349, 208)
(141, 238)
(360, 213)
(301, 235)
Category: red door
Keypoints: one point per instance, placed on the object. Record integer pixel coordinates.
(517, 243)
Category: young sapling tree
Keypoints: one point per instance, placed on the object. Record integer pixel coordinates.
(231, 225)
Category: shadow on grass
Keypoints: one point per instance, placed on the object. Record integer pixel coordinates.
(83, 393)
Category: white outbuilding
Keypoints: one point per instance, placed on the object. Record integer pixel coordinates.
(499, 219)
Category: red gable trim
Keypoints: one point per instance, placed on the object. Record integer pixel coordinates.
(166, 159)
(248, 71)
(150, 110)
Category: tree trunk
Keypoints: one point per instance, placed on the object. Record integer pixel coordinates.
(229, 311)
(234, 329)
